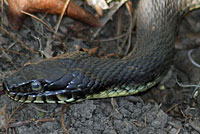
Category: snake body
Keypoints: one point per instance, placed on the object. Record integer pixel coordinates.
(77, 76)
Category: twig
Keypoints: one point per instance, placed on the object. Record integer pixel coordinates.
(172, 107)
(8, 117)
(26, 122)
(62, 120)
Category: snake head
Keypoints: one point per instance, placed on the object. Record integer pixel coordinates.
(31, 87)
(49, 81)
(32, 91)
(31, 84)
(42, 90)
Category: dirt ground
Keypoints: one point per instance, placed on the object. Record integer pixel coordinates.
(166, 108)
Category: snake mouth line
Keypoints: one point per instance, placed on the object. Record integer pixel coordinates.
(59, 96)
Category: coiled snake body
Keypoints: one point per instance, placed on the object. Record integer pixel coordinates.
(77, 76)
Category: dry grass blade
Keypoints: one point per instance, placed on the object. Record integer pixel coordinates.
(20, 41)
(10, 51)
(112, 38)
(130, 10)
(127, 42)
(62, 14)
(49, 27)
(2, 13)
(119, 27)
(8, 57)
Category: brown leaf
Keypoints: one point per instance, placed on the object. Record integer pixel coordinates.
(90, 51)
(16, 17)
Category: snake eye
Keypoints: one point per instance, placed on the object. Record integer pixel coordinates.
(36, 86)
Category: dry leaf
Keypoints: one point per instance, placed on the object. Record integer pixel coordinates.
(16, 17)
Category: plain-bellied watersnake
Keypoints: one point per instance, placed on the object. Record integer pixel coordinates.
(77, 76)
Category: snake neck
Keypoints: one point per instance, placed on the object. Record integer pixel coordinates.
(156, 31)
(157, 22)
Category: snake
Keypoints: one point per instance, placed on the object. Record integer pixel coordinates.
(77, 76)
